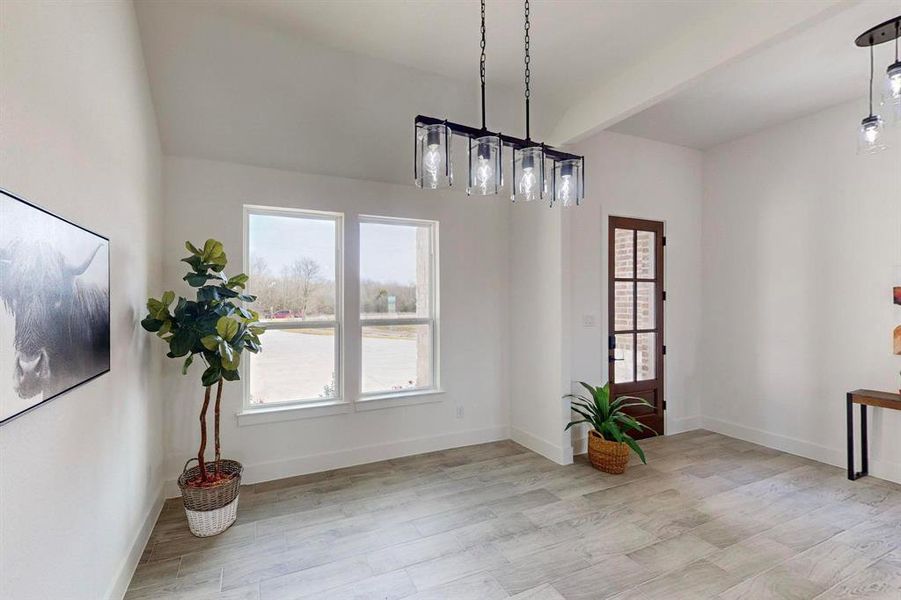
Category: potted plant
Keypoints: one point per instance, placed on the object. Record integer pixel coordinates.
(216, 328)
(608, 442)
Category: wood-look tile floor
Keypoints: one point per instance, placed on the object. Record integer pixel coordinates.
(708, 517)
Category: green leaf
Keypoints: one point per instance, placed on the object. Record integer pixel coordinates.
(212, 252)
(210, 342)
(231, 375)
(195, 261)
(193, 249)
(165, 328)
(211, 375)
(188, 361)
(150, 324)
(238, 281)
(227, 327)
(634, 445)
(182, 342)
(230, 359)
(168, 298)
(195, 280)
(573, 423)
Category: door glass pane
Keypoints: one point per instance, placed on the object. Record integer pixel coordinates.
(395, 270)
(292, 267)
(647, 353)
(624, 262)
(623, 315)
(298, 364)
(646, 305)
(645, 258)
(396, 358)
(624, 354)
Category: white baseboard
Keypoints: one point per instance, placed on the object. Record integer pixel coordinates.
(350, 457)
(883, 469)
(542, 447)
(130, 563)
(676, 425)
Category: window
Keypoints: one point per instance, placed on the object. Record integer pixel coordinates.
(294, 261)
(398, 305)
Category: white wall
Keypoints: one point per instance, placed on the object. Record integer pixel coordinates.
(204, 199)
(628, 176)
(559, 275)
(801, 250)
(80, 477)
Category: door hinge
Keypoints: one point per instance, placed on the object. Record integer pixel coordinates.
(664, 240)
(664, 295)
(664, 405)
(664, 349)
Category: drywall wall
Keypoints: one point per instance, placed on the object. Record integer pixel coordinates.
(628, 176)
(80, 477)
(205, 199)
(538, 368)
(801, 250)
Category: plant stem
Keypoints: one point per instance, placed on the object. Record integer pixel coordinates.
(216, 421)
(200, 460)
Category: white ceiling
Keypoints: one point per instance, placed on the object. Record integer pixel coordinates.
(332, 87)
(808, 71)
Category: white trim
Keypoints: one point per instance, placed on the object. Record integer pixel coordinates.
(542, 447)
(292, 412)
(674, 425)
(130, 562)
(432, 320)
(314, 463)
(409, 398)
(883, 469)
(250, 415)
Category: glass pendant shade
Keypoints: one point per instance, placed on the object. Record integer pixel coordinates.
(486, 176)
(529, 181)
(433, 164)
(568, 182)
(872, 135)
(891, 90)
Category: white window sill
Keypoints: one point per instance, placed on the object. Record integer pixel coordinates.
(290, 412)
(380, 401)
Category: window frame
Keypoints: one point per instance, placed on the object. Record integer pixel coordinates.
(337, 323)
(432, 319)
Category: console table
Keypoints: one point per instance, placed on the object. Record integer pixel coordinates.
(865, 398)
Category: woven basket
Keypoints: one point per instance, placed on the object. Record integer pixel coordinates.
(609, 457)
(205, 523)
(210, 498)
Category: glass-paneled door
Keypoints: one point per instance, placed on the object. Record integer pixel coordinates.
(635, 307)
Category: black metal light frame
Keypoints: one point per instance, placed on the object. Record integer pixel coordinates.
(514, 143)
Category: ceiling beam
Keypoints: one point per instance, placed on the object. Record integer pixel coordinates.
(734, 32)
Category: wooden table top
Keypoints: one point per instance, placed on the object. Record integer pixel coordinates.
(876, 398)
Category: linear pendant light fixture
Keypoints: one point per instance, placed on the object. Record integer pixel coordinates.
(871, 137)
(539, 172)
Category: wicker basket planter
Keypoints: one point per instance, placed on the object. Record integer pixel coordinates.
(609, 457)
(211, 510)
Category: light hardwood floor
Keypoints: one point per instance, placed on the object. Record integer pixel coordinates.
(708, 517)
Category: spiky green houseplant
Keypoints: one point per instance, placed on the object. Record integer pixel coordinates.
(215, 327)
(608, 418)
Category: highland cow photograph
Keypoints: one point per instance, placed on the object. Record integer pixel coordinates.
(54, 306)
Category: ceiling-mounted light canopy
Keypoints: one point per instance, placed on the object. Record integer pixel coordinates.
(534, 165)
(871, 136)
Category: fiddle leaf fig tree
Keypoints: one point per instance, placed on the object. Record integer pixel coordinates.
(216, 327)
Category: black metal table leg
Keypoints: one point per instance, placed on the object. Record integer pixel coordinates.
(864, 451)
(850, 415)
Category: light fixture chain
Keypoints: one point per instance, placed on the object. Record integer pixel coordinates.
(871, 79)
(482, 64)
(528, 71)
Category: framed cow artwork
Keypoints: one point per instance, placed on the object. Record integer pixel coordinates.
(54, 306)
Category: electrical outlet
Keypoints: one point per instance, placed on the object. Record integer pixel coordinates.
(588, 321)
(459, 412)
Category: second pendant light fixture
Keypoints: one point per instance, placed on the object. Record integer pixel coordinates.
(539, 171)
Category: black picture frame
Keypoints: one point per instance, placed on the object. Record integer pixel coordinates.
(5, 241)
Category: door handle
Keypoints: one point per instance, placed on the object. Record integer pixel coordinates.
(612, 359)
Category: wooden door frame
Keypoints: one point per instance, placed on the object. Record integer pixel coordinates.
(656, 419)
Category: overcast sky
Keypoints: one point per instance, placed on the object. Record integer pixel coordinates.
(388, 252)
